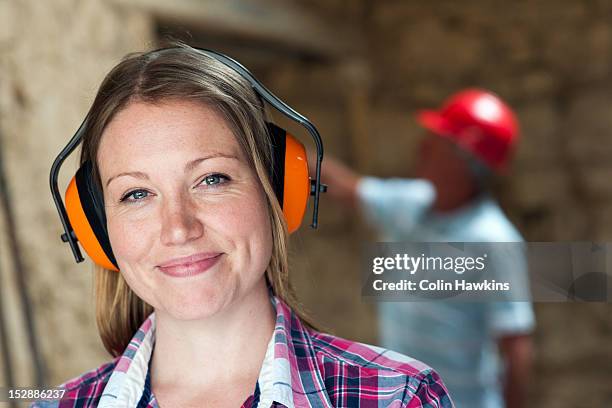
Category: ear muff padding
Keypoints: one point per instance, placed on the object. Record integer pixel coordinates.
(85, 209)
(290, 176)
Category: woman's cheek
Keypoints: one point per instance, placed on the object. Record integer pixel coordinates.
(256, 228)
(240, 215)
(130, 237)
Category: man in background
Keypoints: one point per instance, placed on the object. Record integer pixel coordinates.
(482, 350)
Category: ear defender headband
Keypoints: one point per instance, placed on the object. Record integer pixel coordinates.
(83, 216)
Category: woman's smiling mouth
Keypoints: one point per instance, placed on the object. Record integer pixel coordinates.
(190, 265)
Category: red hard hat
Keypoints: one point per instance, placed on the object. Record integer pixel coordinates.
(478, 121)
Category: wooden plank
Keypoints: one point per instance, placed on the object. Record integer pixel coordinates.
(280, 22)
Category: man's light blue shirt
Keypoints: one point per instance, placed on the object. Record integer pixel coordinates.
(457, 339)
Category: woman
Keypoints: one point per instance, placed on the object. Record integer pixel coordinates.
(201, 313)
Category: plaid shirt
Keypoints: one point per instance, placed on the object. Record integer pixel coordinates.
(302, 368)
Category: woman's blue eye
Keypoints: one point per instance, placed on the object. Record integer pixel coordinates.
(214, 179)
(135, 195)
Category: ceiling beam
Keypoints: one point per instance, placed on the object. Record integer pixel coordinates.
(276, 22)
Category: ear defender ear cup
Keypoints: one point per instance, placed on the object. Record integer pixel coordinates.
(85, 209)
(290, 175)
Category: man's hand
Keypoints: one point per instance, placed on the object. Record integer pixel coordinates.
(517, 352)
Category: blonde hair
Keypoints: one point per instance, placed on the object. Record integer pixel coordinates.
(184, 73)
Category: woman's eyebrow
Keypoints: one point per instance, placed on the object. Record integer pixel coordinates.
(137, 174)
(188, 167)
(192, 164)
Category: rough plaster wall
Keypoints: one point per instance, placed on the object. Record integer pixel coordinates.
(53, 55)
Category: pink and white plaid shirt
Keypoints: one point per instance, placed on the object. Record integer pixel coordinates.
(302, 368)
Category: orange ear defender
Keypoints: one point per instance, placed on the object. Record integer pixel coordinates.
(83, 216)
(85, 209)
(290, 175)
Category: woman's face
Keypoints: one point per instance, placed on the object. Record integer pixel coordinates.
(187, 217)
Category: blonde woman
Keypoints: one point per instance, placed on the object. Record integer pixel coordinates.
(200, 312)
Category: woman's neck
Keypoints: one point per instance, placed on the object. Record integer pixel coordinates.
(227, 347)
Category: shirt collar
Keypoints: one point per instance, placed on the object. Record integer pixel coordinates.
(288, 376)
(298, 381)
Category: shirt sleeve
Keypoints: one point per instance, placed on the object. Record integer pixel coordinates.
(509, 318)
(431, 393)
(394, 204)
(515, 314)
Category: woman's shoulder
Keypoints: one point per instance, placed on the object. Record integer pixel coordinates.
(384, 373)
(366, 356)
(82, 391)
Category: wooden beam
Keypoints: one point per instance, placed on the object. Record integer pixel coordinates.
(274, 21)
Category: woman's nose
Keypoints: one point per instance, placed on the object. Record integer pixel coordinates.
(180, 223)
